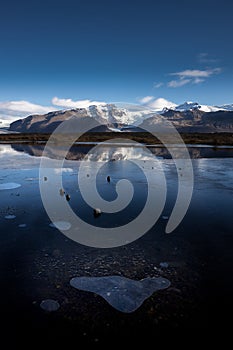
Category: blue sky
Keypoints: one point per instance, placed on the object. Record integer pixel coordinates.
(116, 51)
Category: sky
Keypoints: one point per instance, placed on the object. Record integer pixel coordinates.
(61, 54)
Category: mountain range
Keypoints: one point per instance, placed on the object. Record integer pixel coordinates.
(187, 117)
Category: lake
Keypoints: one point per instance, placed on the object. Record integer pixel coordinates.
(38, 261)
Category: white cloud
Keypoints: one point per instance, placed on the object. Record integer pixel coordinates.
(178, 83)
(23, 106)
(193, 76)
(146, 99)
(157, 104)
(68, 103)
(196, 73)
(198, 81)
(204, 57)
(13, 110)
(158, 85)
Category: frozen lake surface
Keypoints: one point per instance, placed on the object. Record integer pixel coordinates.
(38, 261)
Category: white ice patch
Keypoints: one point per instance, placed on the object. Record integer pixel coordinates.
(61, 225)
(49, 305)
(10, 217)
(124, 294)
(9, 186)
(22, 225)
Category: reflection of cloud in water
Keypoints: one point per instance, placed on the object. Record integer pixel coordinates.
(114, 151)
(18, 159)
(7, 150)
(124, 294)
(63, 170)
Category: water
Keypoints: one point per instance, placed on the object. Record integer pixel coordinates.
(38, 261)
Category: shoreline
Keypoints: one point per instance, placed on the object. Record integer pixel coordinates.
(215, 139)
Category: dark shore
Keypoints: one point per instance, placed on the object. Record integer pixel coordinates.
(215, 139)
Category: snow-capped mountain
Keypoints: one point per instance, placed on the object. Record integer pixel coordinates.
(107, 115)
(122, 114)
(189, 105)
(116, 117)
(227, 107)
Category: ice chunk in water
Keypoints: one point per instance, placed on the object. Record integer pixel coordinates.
(9, 217)
(49, 305)
(9, 186)
(124, 294)
(61, 225)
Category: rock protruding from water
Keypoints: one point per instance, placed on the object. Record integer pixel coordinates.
(96, 212)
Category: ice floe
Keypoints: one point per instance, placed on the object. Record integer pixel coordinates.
(61, 225)
(124, 294)
(9, 186)
(9, 217)
(49, 305)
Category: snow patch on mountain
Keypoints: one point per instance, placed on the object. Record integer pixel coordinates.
(226, 107)
(189, 105)
(124, 115)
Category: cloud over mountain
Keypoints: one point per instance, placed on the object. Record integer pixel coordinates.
(13, 110)
(156, 103)
(69, 103)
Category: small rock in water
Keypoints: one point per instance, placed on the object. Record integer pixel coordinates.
(9, 217)
(97, 212)
(45, 178)
(49, 305)
(164, 265)
(68, 197)
(108, 178)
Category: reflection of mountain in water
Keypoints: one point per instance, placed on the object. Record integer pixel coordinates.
(115, 152)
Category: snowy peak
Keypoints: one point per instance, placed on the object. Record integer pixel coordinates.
(190, 106)
(125, 114)
(187, 106)
(227, 107)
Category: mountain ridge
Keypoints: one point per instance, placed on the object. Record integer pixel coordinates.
(109, 117)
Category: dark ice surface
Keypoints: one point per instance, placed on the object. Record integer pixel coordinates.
(38, 261)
